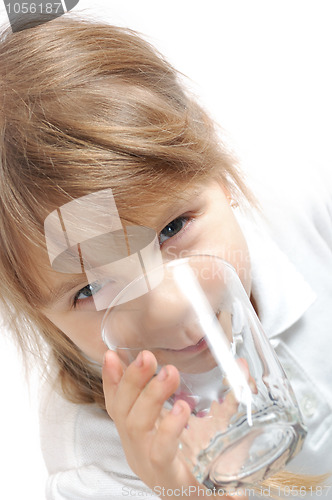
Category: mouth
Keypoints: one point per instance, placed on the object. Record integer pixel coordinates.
(200, 346)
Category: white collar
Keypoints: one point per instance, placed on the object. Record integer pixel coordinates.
(281, 293)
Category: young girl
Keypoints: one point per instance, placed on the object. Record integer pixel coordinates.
(87, 107)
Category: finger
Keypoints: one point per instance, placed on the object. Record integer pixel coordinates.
(149, 404)
(225, 410)
(165, 443)
(112, 373)
(132, 383)
(245, 369)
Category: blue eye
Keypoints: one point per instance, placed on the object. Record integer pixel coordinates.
(87, 292)
(173, 228)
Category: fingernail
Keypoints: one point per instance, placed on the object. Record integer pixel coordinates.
(110, 372)
(177, 409)
(139, 360)
(162, 375)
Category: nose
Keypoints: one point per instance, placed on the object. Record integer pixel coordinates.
(169, 320)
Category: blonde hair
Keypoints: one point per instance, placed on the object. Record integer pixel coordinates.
(86, 106)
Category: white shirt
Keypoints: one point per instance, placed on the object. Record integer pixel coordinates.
(291, 255)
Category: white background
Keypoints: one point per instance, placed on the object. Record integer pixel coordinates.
(263, 69)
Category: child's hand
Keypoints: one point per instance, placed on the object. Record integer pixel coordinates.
(149, 434)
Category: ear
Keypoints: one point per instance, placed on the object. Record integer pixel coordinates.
(231, 201)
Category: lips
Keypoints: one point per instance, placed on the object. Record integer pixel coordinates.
(200, 346)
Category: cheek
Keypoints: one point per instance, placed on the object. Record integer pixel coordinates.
(83, 329)
(237, 254)
(240, 260)
(229, 243)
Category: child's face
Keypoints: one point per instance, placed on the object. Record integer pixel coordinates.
(201, 222)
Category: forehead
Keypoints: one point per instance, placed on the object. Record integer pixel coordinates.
(157, 208)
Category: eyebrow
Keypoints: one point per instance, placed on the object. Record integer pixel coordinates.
(58, 292)
(179, 205)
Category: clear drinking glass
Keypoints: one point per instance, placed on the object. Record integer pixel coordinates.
(194, 313)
